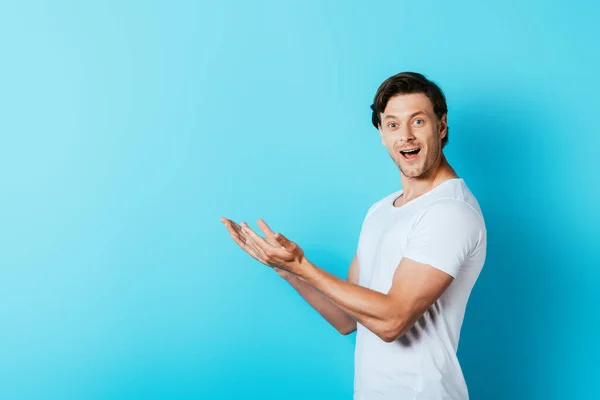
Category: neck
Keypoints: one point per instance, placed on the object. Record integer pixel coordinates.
(415, 187)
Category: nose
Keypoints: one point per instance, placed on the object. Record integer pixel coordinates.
(405, 134)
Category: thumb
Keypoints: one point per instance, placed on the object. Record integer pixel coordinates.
(284, 241)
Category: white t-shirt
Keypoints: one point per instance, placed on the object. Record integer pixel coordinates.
(445, 229)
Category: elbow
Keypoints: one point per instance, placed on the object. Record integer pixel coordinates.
(347, 329)
(346, 332)
(391, 330)
(389, 337)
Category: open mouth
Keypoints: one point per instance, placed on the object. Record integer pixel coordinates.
(410, 154)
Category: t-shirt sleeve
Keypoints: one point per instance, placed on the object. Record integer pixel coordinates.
(445, 235)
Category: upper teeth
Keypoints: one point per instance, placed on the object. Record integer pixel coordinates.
(405, 151)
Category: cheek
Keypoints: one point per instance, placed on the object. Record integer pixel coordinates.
(433, 140)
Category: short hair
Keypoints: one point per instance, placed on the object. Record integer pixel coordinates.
(406, 83)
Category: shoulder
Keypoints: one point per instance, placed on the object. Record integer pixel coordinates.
(455, 201)
(450, 218)
(452, 224)
(454, 209)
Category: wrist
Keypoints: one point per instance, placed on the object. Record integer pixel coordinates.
(283, 273)
(306, 271)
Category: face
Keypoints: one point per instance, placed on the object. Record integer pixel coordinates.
(409, 123)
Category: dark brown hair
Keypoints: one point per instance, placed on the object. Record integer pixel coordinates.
(406, 83)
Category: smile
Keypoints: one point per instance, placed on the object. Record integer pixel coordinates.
(410, 154)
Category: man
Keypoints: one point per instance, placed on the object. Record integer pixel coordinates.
(420, 251)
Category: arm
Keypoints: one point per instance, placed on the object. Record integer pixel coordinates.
(386, 315)
(323, 305)
(438, 246)
(414, 289)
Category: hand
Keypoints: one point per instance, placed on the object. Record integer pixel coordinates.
(275, 250)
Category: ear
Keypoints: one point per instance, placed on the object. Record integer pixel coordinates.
(443, 128)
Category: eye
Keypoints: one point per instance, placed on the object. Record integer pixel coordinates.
(418, 122)
(392, 125)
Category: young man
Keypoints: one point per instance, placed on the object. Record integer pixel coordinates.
(420, 251)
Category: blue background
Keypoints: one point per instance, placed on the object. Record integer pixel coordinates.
(129, 128)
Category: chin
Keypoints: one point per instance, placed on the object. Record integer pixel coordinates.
(414, 172)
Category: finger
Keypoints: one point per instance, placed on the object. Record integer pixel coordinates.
(258, 240)
(233, 228)
(227, 222)
(250, 243)
(229, 226)
(240, 236)
(244, 241)
(270, 235)
(270, 239)
(265, 228)
(248, 248)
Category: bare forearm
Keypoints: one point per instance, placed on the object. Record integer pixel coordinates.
(369, 307)
(332, 313)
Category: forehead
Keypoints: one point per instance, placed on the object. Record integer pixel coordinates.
(408, 104)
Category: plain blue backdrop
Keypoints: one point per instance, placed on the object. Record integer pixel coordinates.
(129, 128)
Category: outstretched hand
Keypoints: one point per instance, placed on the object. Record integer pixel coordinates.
(274, 250)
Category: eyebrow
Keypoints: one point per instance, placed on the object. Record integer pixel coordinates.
(411, 115)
